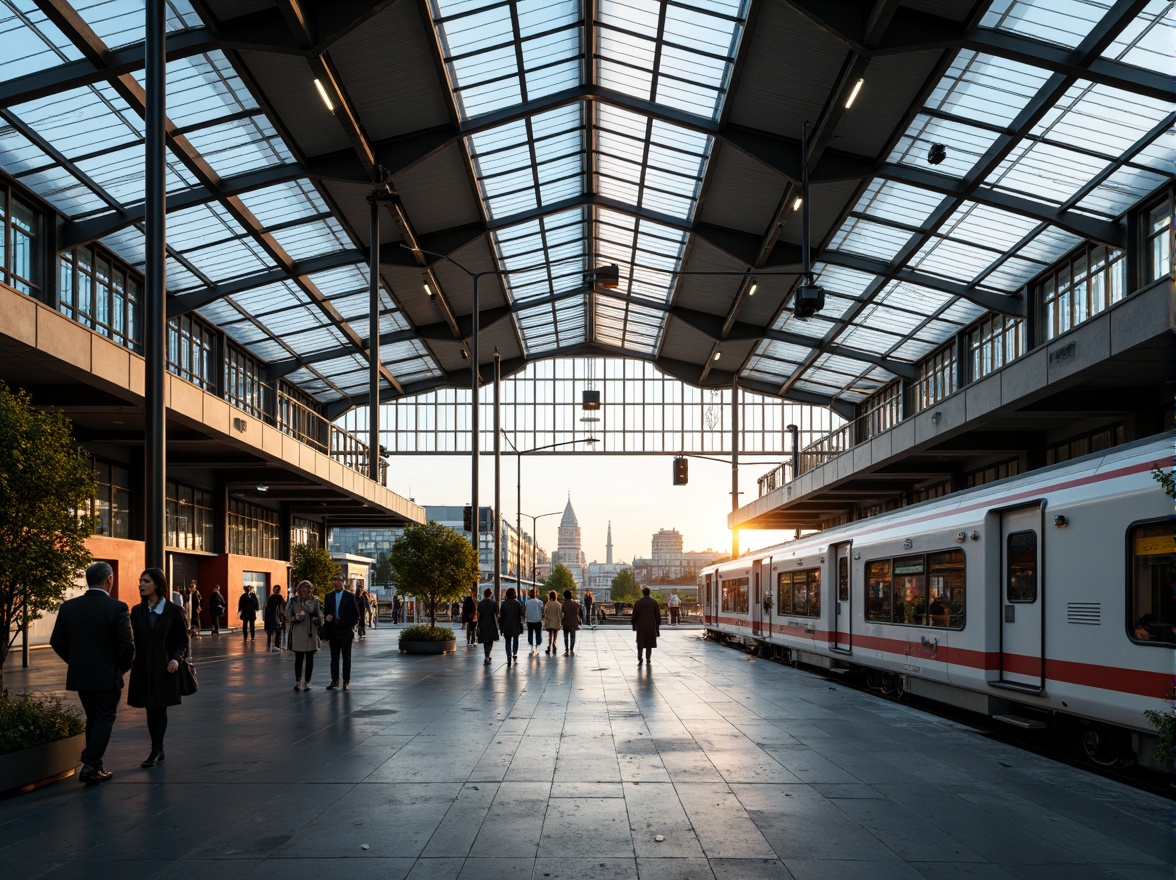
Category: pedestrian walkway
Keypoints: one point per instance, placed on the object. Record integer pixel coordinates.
(709, 766)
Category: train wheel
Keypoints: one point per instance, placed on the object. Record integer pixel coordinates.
(873, 680)
(1103, 745)
(899, 687)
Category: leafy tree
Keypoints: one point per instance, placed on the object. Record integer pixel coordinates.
(45, 483)
(433, 563)
(624, 587)
(313, 564)
(560, 579)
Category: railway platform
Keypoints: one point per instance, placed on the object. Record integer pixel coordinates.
(709, 765)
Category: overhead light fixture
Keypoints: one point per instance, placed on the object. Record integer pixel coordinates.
(937, 153)
(465, 355)
(857, 87)
(608, 277)
(323, 94)
(751, 290)
(797, 202)
(429, 291)
(718, 354)
(263, 487)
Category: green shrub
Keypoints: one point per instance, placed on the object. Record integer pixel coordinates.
(423, 633)
(29, 720)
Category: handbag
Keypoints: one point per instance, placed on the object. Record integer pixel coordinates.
(188, 683)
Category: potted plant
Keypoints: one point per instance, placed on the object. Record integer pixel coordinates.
(40, 740)
(767, 603)
(436, 565)
(422, 639)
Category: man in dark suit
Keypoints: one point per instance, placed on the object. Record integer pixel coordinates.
(93, 635)
(342, 613)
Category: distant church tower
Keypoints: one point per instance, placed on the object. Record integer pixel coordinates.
(608, 546)
(568, 552)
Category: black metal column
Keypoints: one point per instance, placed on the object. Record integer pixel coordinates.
(374, 345)
(475, 432)
(154, 294)
(734, 462)
(496, 518)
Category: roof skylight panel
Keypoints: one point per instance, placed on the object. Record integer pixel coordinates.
(311, 239)
(952, 259)
(18, 154)
(1122, 190)
(897, 202)
(283, 203)
(1011, 274)
(64, 191)
(861, 236)
(1100, 118)
(837, 279)
(239, 145)
(121, 22)
(120, 174)
(1147, 40)
(79, 122)
(913, 298)
(177, 277)
(986, 88)
(1063, 23)
(1044, 171)
(988, 226)
(32, 43)
(228, 259)
(270, 298)
(346, 279)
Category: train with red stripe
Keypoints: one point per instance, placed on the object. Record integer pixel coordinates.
(1044, 600)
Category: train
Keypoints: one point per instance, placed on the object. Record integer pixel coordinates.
(1044, 600)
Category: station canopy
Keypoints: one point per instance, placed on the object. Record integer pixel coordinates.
(955, 149)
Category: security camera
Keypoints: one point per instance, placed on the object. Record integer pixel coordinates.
(808, 301)
(936, 154)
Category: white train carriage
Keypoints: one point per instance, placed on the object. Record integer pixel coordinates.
(1040, 599)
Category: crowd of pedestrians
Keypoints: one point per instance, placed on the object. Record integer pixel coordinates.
(101, 640)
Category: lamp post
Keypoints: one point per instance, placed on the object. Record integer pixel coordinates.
(534, 539)
(519, 453)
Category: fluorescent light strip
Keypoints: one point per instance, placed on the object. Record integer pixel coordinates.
(857, 87)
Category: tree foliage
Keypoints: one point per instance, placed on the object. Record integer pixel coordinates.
(313, 564)
(560, 579)
(624, 587)
(433, 563)
(46, 484)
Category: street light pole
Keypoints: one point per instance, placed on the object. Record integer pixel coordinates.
(534, 537)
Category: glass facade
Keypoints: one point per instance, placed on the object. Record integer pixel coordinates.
(253, 530)
(994, 342)
(188, 518)
(111, 507)
(20, 233)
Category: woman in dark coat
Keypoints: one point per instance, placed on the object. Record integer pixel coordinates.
(511, 619)
(646, 623)
(161, 643)
(571, 622)
(487, 624)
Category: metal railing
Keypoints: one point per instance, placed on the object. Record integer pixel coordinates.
(812, 456)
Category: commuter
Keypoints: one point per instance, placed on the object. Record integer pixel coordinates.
(571, 622)
(341, 613)
(589, 605)
(510, 618)
(92, 635)
(534, 616)
(675, 605)
(274, 618)
(488, 624)
(363, 603)
(194, 606)
(161, 643)
(373, 609)
(647, 624)
(469, 616)
(552, 615)
(306, 616)
(178, 598)
(939, 612)
(397, 604)
(216, 608)
(247, 607)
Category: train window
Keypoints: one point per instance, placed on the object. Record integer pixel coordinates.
(735, 595)
(878, 590)
(945, 580)
(843, 579)
(923, 590)
(1153, 582)
(799, 592)
(910, 589)
(1021, 585)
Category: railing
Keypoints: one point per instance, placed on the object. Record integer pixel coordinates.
(812, 456)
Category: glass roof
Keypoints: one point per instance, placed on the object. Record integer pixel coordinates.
(611, 169)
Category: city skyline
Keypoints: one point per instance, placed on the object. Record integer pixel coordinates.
(638, 497)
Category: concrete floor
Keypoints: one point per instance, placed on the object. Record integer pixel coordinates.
(709, 766)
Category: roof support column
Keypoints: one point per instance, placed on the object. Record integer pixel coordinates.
(374, 460)
(475, 427)
(154, 294)
(496, 518)
(735, 461)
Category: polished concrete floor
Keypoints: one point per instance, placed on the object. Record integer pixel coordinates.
(707, 766)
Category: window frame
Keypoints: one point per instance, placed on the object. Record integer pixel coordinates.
(927, 573)
(1131, 617)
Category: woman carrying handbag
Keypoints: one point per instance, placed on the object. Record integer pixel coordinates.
(304, 615)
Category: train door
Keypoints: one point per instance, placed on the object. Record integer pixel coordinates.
(841, 594)
(1022, 599)
(757, 605)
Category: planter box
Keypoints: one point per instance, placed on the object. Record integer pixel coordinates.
(21, 769)
(448, 647)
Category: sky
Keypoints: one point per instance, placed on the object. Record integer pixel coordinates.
(635, 492)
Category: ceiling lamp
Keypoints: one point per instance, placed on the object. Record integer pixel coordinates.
(323, 94)
(857, 87)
